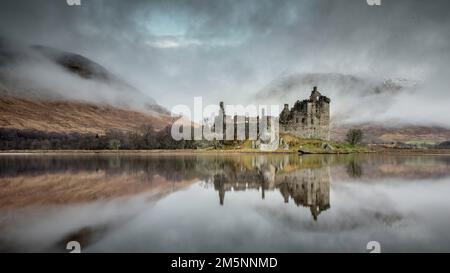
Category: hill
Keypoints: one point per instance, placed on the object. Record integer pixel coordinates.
(358, 102)
(69, 116)
(50, 90)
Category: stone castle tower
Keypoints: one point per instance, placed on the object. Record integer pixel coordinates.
(309, 118)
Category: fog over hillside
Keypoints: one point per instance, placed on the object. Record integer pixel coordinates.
(234, 50)
(355, 99)
(44, 73)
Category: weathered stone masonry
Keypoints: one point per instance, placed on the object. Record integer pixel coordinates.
(309, 118)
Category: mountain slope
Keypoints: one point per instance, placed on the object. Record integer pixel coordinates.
(47, 73)
(67, 117)
(405, 133)
(285, 86)
(373, 104)
(50, 90)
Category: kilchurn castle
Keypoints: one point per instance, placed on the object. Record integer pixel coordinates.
(309, 118)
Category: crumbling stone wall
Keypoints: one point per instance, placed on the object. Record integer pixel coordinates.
(309, 118)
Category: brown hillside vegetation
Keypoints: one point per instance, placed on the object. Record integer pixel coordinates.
(68, 117)
(380, 134)
(81, 187)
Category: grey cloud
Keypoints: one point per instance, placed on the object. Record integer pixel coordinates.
(228, 50)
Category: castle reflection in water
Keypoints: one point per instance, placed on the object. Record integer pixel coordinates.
(301, 180)
(306, 186)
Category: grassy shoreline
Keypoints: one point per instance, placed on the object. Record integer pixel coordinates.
(392, 151)
(290, 143)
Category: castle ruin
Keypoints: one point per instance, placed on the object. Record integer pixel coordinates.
(305, 185)
(309, 118)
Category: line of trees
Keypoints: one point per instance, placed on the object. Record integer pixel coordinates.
(146, 137)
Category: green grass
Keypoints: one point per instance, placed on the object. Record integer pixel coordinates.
(421, 142)
(317, 146)
(314, 146)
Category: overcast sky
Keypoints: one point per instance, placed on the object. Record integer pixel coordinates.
(230, 49)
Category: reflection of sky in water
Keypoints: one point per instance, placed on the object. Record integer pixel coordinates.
(403, 214)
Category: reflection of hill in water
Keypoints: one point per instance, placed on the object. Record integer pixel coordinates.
(89, 197)
(61, 179)
(376, 167)
(307, 187)
(183, 167)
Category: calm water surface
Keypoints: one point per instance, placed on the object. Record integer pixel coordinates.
(211, 203)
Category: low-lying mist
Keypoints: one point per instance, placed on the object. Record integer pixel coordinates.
(364, 99)
(28, 73)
